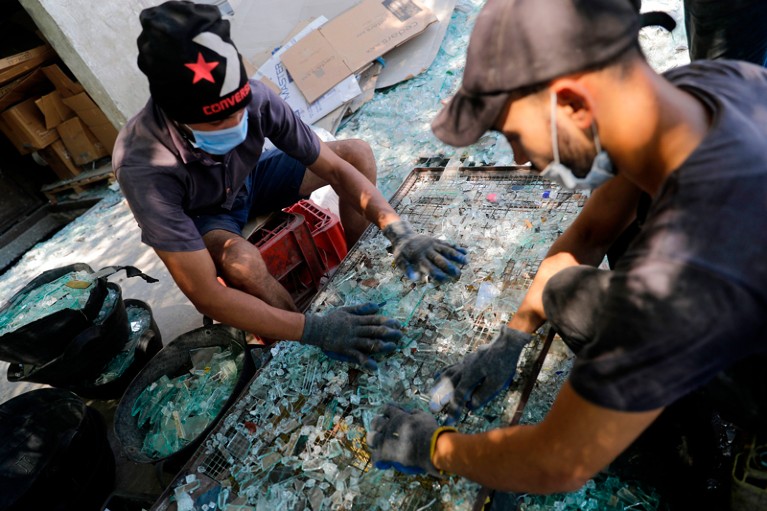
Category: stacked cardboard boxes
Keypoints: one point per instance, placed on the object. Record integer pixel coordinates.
(327, 68)
(43, 110)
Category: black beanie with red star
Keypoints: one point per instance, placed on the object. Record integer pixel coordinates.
(195, 72)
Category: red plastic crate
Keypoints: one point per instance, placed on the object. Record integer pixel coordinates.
(286, 244)
(327, 232)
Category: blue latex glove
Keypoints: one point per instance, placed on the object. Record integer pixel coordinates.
(351, 334)
(404, 440)
(480, 376)
(419, 254)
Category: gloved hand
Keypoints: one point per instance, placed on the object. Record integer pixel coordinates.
(419, 254)
(480, 376)
(352, 333)
(404, 440)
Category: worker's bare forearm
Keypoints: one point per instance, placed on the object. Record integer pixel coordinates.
(353, 188)
(195, 274)
(246, 312)
(576, 440)
(508, 459)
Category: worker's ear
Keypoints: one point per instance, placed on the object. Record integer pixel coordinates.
(574, 100)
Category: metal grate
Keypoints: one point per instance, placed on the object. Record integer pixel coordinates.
(302, 416)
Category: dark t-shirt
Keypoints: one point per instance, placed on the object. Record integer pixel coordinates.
(167, 181)
(689, 297)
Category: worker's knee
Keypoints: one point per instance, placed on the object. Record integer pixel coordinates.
(359, 154)
(362, 149)
(352, 149)
(247, 273)
(237, 261)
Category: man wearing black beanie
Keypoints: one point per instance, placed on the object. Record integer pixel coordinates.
(192, 167)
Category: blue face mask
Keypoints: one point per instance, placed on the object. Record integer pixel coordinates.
(222, 141)
(601, 171)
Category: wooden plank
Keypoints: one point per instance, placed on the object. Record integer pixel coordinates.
(24, 56)
(26, 66)
(77, 184)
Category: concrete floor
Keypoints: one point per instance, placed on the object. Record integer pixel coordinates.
(107, 235)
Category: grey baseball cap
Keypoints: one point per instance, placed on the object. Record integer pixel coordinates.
(518, 44)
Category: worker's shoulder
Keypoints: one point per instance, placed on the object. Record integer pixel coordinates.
(719, 75)
(734, 93)
(267, 103)
(262, 94)
(142, 142)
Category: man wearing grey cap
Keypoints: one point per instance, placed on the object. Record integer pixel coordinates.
(686, 304)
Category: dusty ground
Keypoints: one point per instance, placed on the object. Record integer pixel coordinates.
(106, 235)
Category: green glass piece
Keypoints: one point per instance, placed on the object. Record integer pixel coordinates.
(168, 431)
(159, 396)
(110, 300)
(195, 425)
(185, 406)
(147, 394)
(140, 321)
(45, 300)
(201, 357)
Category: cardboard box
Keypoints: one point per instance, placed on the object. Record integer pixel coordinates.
(14, 138)
(32, 84)
(53, 109)
(106, 134)
(30, 60)
(94, 118)
(59, 160)
(352, 40)
(86, 109)
(273, 74)
(24, 56)
(81, 143)
(65, 85)
(27, 125)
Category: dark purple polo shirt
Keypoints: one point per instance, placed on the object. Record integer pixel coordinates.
(167, 181)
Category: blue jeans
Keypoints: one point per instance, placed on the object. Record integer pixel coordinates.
(274, 184)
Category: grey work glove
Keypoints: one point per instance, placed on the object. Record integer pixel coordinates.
(419, 254)
(351, 334)
(404, 440)
(480, 376)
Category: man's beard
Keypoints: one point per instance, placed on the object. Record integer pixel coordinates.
(578, 159)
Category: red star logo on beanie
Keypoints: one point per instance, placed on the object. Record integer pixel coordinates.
(202, 69)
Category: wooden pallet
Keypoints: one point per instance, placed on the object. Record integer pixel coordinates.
(79, 183)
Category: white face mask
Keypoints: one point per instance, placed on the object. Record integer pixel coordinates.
(602, 169)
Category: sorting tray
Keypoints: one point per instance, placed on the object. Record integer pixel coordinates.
(295, 439)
